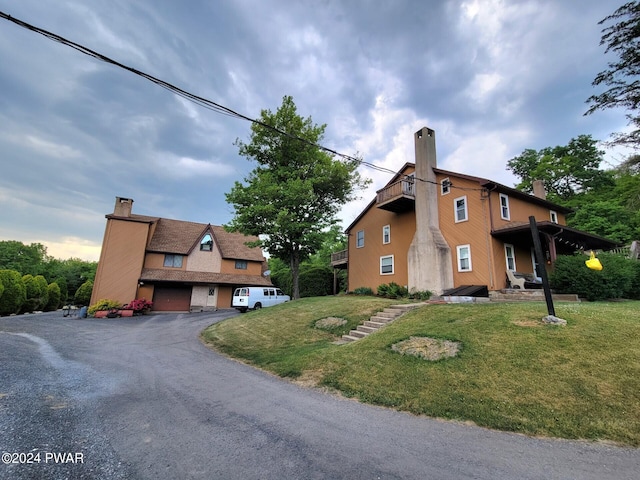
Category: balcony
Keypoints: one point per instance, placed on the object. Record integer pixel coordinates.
(340, 259)
(399, 197)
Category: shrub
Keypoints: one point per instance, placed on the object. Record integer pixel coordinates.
(14, 294)
(104, 304)
(615, 280)
(83, 294)
(392, 290)
(36, 291)
(315, 281)
(420, 294)
(363, 291)
(138, 305)
(54, 297)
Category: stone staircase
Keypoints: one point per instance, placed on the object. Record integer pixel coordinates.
(379, 320)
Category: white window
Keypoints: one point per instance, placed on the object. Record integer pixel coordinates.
(510, 256)
(504, 207)
(445, 186)
(460, 205)
(464, 258)
(553, 216)
(360, 239)
(173, 261)
(386, 234)
(386, 265)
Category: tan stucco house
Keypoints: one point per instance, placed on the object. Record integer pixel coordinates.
(432, 229)
(179, 265)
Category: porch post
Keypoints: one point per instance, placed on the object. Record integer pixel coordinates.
(540, 260)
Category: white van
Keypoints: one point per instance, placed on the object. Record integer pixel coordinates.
(245, 298)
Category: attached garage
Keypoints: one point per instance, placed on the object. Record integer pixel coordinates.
(171, 298)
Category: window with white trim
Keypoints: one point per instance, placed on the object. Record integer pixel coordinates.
(504, 207)
(445, 186)
(386, 265)
(553, 216)
(510, 257)
(464, 258)
(460, 206)
(173, 261)
(535, 264)
(360, 239)
(386, 234)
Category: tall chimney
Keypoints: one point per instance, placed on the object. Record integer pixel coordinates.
(430, 264)
(538, 189)
(123, 207)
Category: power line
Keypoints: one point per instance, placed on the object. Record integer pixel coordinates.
(198, 100)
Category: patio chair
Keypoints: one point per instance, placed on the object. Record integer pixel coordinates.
(515, 281)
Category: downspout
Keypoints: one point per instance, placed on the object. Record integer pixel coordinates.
(487, 234)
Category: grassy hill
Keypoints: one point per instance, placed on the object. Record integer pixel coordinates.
(512, 372)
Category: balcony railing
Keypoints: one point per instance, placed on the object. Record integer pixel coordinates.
(340, 259)
(397, 197)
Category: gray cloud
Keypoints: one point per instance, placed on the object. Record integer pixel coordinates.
(491, 77)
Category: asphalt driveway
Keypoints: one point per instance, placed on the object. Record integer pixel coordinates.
(143, 398)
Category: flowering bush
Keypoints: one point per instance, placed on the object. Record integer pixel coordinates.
(103, 304)
(138, 305)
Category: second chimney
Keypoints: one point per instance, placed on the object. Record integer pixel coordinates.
(538, 189)
(123, 207)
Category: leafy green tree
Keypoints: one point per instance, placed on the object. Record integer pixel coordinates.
(296, 190)
(622, 39)
(14, 294)
(565, 170)
(25, 259)
(607, 219)
(53, 302)
(83, 294)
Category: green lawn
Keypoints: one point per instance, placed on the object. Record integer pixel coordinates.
(513, 372)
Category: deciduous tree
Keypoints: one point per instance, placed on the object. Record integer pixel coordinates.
(296, 189)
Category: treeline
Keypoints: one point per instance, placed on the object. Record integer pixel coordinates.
(31, 280)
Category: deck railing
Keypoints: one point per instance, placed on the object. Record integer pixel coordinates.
(397, 189)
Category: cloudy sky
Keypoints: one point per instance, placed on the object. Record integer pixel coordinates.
(491, 77)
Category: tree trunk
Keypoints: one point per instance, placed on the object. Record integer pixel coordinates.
(295, 273)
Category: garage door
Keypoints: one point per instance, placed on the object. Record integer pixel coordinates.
(171, 299)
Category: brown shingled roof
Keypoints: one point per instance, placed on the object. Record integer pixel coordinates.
(183, 276)
(179, 237)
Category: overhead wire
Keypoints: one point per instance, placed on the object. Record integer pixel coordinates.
(201, 101)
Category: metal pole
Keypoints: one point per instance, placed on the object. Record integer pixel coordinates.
(541, 261)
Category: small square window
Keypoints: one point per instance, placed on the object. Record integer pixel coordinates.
(553, 216)
(360, 239)
(445, 186)
(386, 265)
(241, 264)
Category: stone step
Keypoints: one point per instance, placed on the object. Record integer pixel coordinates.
(379, 319)
(389, 313)
(374, 324)
(349, 338)
(358, 333)
(366, 329)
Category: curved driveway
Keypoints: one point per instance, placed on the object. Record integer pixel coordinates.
(143, 398)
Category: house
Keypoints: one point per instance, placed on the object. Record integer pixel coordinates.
(179, 265)
(437, 230)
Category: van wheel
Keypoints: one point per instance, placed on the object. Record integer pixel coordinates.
(258, 306)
